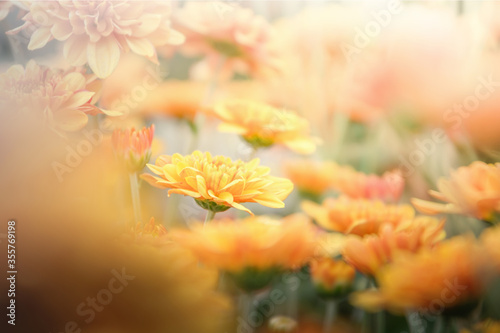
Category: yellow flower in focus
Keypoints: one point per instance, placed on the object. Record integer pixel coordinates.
(441, 280)
(471, 190)
(252, 249)
(218, 183)
(263, 125)
(311, 177)
(133, 147)
(358, 217)
(98, 32)
(370, 253)
(332, 277)
(358, 185)
(61, 99)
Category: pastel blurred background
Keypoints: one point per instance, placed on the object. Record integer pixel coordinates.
(327, 131)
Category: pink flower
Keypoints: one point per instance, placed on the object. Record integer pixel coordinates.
(358, 185)
(62, 99)
(236, 34)
(133, 147)
(98, 32)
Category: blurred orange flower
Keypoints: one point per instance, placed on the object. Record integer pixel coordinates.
(150, 229)
(178, 99)
(218, 183)
(454, 273)
(472, 190)
(235, 34)
(354, 184)
(356, 216)
(98, 32)
(263, 125)
(253, 248)
(311, 177)
(490, 238)
(133, 147)
(332, 277)
(370, 253)
(62, 99)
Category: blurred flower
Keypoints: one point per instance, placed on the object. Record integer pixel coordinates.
(490, 238)
(311, 177)
(252, 250)
(231, 38)
(133, 147)
(472, 190)
(97, 33)
(356, 216)
(442, 280)
(218, 183)
(370, 253)
(282, 324)
(332, 277)
(358, 185)
(262, 125)
(62, 99)
(128, 86)
(190, 287)
(150, 229)
(329, 244)
(178, 99)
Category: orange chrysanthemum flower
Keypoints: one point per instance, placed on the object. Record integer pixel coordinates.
(370, 253)
(97, 32)
(442, 280)
(332, 277)
(218, 183)
(359, 217)
(311, 177)
(133, 147)
(252, 249)
(472, 190)
(358, 185)
(62, 99)
(262, 125)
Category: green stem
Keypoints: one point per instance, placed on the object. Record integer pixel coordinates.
(449, 326)
(136, 199)
(245, 310)
(253, 153)
(380, 322)
(438, 325)
(330, 315)
(194, 136)
(210, 216)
